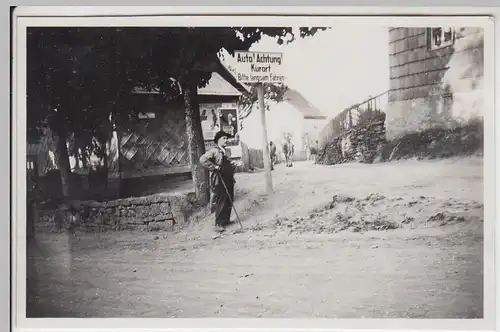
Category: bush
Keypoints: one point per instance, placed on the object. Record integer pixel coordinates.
(435, 143)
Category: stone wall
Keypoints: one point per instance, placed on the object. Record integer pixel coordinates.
(151, 213)
(358, 144)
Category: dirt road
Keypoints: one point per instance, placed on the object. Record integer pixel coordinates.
(398, 240)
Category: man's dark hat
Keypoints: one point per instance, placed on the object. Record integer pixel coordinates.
(219, 135)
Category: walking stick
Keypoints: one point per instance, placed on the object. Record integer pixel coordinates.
(230, 200)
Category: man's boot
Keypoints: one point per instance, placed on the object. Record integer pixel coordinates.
(219, 228)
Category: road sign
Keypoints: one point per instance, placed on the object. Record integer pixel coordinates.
(259, 67)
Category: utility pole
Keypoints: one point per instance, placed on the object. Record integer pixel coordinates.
(265, 145)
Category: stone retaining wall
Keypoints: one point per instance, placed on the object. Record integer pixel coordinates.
(358, 144)
(151, 213)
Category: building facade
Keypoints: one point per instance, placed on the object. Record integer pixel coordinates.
(155, 146)
(296, 116)
(436, 78)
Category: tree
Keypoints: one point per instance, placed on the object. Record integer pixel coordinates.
(49, 97)
(273, 92)
(185, 54)
(76, 88)
(80, 80)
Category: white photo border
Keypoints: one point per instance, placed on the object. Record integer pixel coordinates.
(69, 16)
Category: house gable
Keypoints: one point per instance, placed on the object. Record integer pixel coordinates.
(222, 83)
(218, 86)
(301, 104)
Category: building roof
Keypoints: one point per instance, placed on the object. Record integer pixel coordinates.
(218, 86)
(229, 77)
(222, 83)
(297, 100)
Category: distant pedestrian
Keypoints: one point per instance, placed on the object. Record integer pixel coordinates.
(272, 154)
(314, 151)
(222, 180)
(288, 150)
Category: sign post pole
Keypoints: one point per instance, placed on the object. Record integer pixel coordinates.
(265, 145)
(259, 68)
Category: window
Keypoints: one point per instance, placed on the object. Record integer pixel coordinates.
(447, 106)
(440, 37)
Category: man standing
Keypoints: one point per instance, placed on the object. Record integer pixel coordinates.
(221, 180)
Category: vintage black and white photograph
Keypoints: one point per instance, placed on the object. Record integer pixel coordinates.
(291, 171)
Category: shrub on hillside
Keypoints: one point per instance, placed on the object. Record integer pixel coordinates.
(435, 143)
